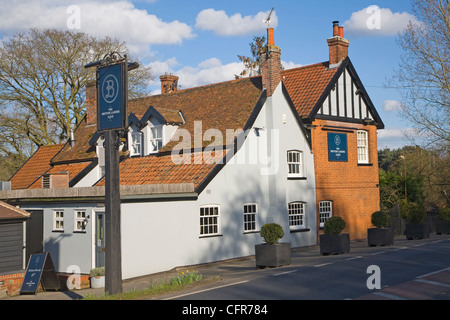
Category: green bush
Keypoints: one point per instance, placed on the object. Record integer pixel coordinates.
(97, 272)
(334, 225)
(380, 219)
(444, 214)
(416, 213)
(272, 232)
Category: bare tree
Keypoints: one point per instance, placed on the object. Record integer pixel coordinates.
(424, 70)
(43, 79)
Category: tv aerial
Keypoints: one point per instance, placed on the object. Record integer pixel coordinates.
(269, 17)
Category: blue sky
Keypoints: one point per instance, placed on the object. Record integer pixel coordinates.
(200, 40)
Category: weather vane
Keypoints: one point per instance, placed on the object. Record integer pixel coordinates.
(268, 18)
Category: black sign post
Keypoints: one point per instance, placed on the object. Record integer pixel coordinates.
(41, 270)
(112, 100)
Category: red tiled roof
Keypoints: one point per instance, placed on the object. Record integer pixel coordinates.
(305, 85)
(163, 169)
(73, 169)
(8, 211)
(38, 164)
(221, 106)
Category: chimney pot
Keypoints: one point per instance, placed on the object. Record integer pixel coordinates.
(169, 83)
(337, 45)
(271, 64)
(91, 102)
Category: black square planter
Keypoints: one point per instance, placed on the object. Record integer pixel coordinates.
(334, 244)
(442, 227)
(380, 237)
(416, 231)
(272, 255)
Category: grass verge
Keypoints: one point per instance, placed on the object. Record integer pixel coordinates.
(178, 283)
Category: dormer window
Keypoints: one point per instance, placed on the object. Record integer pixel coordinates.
(136, 144)
(156, 138)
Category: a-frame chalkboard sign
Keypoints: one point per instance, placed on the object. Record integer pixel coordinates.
(40, 269)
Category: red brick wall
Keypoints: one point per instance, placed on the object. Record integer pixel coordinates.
(352, 188)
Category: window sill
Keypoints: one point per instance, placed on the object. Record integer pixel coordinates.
(211, 236)
(78, 231)
(297, 178)
(300, 230)
(58, 231)
(365, 164)
(251, 232)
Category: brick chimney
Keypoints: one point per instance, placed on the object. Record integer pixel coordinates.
(91, 102)
(271, 64)
(169, 83)
(338, 46)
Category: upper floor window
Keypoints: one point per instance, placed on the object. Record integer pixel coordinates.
(156, 139)
(136, 144)
(363, 146)
(295, 164)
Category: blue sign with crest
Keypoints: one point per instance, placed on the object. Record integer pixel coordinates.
(112, 97)
(337, 146)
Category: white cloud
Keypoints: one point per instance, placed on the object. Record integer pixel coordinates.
(377, 21)
(236, 25)
(119, 19)
(290, 65)
(392, 105)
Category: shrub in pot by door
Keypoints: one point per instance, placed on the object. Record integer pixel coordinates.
(333, 241)
(443, 223)
(272, 254)
(381, 235)
(415, 228)
(97, 276)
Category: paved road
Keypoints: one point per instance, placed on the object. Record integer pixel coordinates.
(411, 269)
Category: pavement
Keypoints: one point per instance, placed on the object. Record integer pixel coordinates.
(434, 286)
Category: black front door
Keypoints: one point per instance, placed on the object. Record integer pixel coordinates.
(35, 233)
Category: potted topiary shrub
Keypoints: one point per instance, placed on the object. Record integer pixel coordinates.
(415, 228)
(97, 276)
(272, 254)
(443, 223)
(333, 241)
(381, 235)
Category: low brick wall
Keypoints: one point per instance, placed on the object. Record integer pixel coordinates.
(10, 284)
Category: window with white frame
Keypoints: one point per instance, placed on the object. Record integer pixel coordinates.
(296, 211)
(325, 211)
(155, 139)
(80, 221)
(58, 220)
(136, 144)
(250, 217)
(295, 165)
(209, 220)
(363, 146)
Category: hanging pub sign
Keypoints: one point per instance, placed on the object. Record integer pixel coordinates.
(337, 147)
(112, 96)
